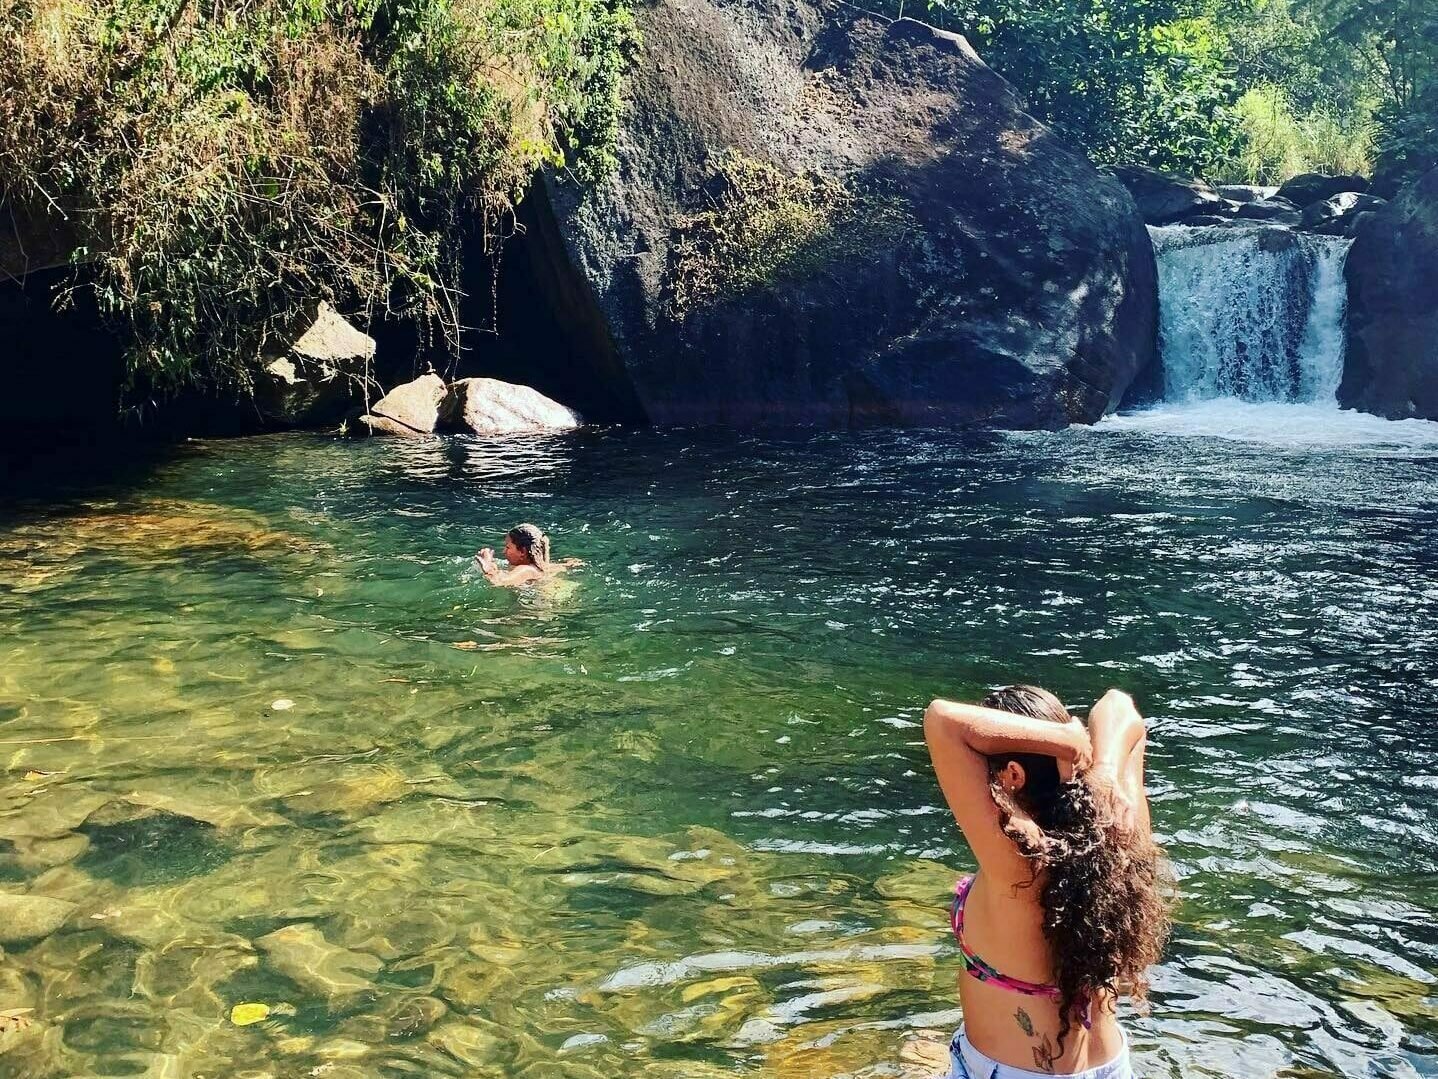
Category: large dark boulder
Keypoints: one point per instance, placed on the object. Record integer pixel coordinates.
(1164, 198)
(1391, 367)
(1311, 187)
(823, 217)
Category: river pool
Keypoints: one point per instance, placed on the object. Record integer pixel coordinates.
(265, 727)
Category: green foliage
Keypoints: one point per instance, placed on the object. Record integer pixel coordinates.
(1140, 81)
(1251, 90)
(228, 165)
(1277, 144)
(765, 225)
(1397, 41)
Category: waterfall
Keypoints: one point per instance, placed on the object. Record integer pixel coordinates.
(1250, 313)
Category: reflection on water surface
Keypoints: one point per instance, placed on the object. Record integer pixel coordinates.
(676, 818)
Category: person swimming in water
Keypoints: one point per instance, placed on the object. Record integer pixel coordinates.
(1068, 909)
(526, 549)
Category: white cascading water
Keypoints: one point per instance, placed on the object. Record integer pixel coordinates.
(1250, 313)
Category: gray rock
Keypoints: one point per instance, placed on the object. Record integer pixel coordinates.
(823, 217)
(29, 917)
(1391, 366)
(1164, 198)
(487, 406)
(409, 409)
(1277, 210)
(1245, 192)
(1332, 215)
(1309, 187)
(319, 375)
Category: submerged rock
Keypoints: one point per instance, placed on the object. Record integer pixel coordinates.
(1164, 198)
(29, 917)
(1391, 366)
(302, 954)
(487, 406)
(408, 409)
(821, 216)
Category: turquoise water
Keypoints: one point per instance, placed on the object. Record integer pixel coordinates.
(269, 739)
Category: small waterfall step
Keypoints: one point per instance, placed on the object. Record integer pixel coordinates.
(1251, 313)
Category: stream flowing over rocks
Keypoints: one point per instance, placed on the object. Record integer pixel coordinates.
(822, 217)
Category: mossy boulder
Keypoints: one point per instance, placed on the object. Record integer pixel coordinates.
(823, 217)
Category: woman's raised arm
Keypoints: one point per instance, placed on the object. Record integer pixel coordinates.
(961, 738)
(1119, 735)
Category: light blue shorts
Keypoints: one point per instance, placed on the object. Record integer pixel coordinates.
(966, 1062)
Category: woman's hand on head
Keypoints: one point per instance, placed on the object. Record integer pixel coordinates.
(1083, 753)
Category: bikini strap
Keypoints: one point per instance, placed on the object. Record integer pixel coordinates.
(976, 967)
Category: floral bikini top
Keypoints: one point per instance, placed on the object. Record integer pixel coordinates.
(985, 972)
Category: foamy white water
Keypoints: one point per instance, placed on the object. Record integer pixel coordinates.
(1308, 425)
(1251, 313)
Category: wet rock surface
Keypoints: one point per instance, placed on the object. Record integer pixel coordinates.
(821, 217)
(1310, 187)
(1276, 209)
(1336, 214)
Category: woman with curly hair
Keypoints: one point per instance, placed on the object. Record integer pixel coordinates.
(1068, 909)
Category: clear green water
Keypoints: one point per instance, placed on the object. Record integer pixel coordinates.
(675, 819)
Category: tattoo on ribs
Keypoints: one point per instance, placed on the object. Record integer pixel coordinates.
(1044, 1055)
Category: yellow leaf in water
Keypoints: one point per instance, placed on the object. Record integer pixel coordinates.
(284, 704)
(242, 1015)
(467, 646)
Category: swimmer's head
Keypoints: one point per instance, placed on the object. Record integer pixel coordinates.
(526, 545)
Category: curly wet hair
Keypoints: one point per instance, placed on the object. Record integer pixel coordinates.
(1104, 888)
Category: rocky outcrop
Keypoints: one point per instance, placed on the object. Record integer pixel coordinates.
(1310, 187)
(1391, 366)
(408, 409)
(1276, 209)
(1163, 197)
(1336, 214)
(487, 406)
(319, 376)
(823, 217)
(1242, 193)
